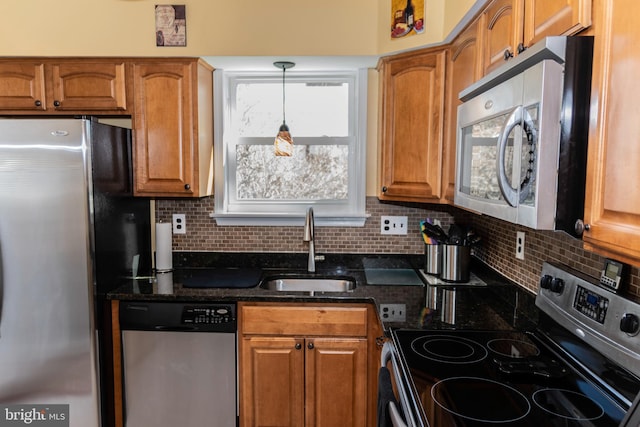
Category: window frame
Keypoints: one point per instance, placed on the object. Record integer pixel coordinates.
(349, 212)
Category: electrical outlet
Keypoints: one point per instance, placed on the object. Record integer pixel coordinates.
(179, 224)
(393, 224)
(393, 312)
(520, 244)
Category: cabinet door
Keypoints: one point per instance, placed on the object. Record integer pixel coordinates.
(164, 128)
(612, 205)
(336, 382)
(272, 382)
(412, 115)
(554, 17)
(502, 32)
(463, 68)
(86, 86)
(22, 85)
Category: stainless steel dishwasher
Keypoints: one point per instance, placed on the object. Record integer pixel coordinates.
(179, 364)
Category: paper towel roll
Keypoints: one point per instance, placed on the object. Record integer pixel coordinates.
(164, 260)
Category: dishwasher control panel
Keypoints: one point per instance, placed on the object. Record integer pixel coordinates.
(208, 314)
(178, 316)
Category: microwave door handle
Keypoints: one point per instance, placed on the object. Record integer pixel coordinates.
(529, 128)
(509, 193)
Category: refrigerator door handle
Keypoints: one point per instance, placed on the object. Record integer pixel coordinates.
(1, 287)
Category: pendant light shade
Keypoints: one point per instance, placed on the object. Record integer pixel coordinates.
(283, 143)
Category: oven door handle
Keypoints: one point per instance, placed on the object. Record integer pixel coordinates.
(396, 417)
(387, 355)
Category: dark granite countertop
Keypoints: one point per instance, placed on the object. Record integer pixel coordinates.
(500, 304)
(188, 263)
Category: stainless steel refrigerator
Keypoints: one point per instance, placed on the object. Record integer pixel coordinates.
(69, 231)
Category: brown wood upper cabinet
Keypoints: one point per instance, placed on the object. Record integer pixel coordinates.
(612, 203)
(411, 125)
(173, 127)
(464, 66)
(63, 86)
(509, 26)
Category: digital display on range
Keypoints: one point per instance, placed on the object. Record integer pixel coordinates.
(591, 304)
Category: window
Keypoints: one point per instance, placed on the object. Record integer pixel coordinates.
(326, 115)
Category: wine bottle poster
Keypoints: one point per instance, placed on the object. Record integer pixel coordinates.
(407, 18)
(171, 25)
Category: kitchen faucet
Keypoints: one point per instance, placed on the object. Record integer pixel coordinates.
(309, 237)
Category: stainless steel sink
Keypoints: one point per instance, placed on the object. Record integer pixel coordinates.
(309, 284)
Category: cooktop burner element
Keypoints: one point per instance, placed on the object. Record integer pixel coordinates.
(515, 349)
(568, 404)
(480, 400)
(449, 349)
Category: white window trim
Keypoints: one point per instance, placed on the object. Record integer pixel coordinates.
(293, 212)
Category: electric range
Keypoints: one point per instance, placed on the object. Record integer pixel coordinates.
(579, 367)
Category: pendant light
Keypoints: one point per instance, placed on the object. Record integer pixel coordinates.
(283, 143)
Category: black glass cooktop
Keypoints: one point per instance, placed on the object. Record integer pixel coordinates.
(477, 378)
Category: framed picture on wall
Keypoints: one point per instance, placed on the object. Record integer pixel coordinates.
(407, 18)
(171, 25)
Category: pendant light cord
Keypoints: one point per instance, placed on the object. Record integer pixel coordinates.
(283, 97)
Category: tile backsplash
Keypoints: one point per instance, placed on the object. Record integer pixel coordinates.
(204, 235)
(497, 248)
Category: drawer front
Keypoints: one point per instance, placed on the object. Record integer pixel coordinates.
(259, 319)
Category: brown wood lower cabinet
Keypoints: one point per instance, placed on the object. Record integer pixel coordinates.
(304, 381)
(306, 365)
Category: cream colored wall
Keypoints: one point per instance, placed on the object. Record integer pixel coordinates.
(216, 27)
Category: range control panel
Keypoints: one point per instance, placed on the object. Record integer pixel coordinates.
(607, 321)
(591, 304)
(208, 314)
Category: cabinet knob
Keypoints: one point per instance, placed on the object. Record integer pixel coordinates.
(56, 103)
(508, 54)
(187, 187)
(310, 346)
(580, 227)
(38, 103)
(298, 346)
(384, 189)
(521, 48)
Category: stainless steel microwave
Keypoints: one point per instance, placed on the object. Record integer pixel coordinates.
(522, 137)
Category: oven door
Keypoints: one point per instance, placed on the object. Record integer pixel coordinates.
(406, 413)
